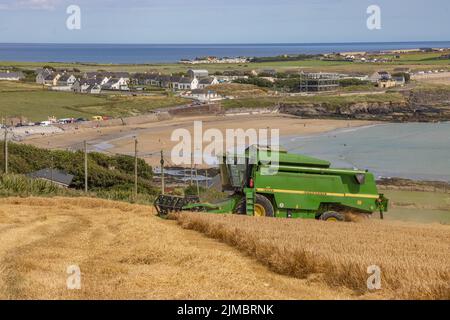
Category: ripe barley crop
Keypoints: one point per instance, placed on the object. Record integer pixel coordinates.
(414, 259)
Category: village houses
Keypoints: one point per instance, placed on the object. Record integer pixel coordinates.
(11, 76)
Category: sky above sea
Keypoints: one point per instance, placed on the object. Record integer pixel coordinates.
(222, 21)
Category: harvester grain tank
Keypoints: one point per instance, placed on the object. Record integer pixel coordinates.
(297, 186)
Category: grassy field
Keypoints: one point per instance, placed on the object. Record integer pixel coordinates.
(331, 101)
(413, 258)
(415, 61)
(419, 207)
(35, 104)
(10, 86)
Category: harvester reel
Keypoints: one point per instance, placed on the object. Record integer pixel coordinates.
(166, 204)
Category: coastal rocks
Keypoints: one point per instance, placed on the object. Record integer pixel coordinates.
(381, 111)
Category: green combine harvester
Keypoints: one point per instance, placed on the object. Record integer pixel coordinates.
(296, 187)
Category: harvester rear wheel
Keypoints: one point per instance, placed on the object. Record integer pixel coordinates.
(332, 216)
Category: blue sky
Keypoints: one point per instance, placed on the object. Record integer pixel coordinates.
(223, 21)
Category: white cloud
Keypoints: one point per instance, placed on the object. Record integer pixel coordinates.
(28, 4)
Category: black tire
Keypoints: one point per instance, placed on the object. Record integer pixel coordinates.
(260, 200)
(332, 216)
(266, 204)
(240, 207)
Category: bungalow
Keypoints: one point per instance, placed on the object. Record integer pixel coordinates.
(205, 95)
(206, 82)
(145, 79)
(58, 177)
(164, 81)
(11, 76)
(184, 83)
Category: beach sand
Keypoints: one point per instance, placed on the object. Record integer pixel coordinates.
(156, 136)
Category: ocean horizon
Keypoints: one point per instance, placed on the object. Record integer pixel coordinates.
(170, 53)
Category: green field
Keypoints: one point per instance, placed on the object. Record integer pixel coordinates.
(414, 60)
(328, 100)
(36, 104)
(415, 206)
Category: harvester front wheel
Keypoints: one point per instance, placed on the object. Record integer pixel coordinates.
(332, 216)
(263, 207)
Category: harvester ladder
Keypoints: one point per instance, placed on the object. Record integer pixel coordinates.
(250, 202)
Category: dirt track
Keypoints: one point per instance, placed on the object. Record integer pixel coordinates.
(125, 252)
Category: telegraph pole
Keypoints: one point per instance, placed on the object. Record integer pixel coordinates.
(135, 169)
(192, 169)
(163, 187)
(196, 180)
(85, 167)
(6, 150)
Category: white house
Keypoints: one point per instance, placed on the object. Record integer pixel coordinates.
(11, 76)
(52, 79)
(41, 74)
(184, 83)
(206, 82)
(116, 84)
(94, 89)
(104, 80)
(205, 95)
(66, 80)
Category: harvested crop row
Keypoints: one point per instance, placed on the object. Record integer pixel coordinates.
(414, 259)
(125, 252)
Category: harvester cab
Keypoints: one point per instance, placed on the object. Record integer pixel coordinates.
(274, 183)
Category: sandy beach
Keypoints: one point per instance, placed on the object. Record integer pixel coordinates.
(156, 136)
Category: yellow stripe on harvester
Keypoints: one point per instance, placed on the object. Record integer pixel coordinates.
(314, 193)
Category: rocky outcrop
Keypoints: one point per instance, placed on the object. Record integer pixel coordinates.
(417, 106)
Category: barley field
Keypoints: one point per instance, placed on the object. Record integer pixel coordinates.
(125, 252)
(414, 259)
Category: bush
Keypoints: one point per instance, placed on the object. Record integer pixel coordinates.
(264, 83)
(105, 172)
(406, 75)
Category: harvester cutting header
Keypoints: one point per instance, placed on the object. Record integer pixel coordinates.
(297, 186)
